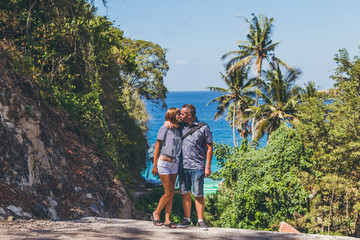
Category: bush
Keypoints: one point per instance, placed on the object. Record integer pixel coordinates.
(261, 187)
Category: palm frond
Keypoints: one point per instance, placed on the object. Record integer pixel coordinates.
(217, 89)
(261, 128)
(263, 96)
(221, 99)
(272, 108)
(276, 61)
(241, 63)
(290, 105)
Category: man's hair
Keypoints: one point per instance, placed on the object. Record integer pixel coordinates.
(171, 116)
(191, 109)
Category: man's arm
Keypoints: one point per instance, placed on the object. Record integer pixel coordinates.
(168, 124)
(209, 155)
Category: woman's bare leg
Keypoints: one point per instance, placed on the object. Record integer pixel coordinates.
(169, 204)
(169, 193)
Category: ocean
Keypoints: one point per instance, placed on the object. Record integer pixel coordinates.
(221, 130)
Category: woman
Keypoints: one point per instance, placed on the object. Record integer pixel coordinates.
(166, 163)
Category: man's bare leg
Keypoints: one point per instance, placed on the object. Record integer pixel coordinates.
(200, 206)
(186, 201)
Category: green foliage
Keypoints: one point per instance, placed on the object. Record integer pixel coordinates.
(330, 127)
(261, 187)
(146, 75)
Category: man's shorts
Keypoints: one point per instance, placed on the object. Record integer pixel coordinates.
(191, 179)
(166, 168)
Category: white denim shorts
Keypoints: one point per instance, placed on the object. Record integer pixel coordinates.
(166, 168)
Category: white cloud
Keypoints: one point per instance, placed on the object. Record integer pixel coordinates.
(181, 62)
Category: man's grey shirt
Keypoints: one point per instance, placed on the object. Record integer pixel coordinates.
(194, 147)
(171, 141)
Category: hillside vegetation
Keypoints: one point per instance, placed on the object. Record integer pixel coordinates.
(81, 63)
(72, 110)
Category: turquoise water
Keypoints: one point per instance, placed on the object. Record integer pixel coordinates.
(221, 130)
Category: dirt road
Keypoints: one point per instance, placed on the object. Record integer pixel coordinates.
(104, 228)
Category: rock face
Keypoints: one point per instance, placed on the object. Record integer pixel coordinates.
(49, 167)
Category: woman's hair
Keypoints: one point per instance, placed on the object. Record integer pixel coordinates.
(171, 116)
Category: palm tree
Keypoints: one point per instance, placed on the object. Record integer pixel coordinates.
(239, 86)
(309, 90)
(258, 47)
(280, 96)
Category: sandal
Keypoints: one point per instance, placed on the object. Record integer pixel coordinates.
(156, 222)
(171, 225)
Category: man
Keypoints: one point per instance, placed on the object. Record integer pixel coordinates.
(195, 164)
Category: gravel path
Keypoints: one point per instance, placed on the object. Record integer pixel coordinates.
(104, 228)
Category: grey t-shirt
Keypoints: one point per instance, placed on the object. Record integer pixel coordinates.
(171, 145)
(194, 148)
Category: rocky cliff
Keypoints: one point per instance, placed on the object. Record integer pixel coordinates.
(49, 167)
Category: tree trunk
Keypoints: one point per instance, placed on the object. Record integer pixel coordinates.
(331, 208)
(235, 143)
(348, 221)
(253, 122)
(357, 226)
(256, 102)
(28, 21)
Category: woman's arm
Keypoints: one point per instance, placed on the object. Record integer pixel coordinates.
(156, 157)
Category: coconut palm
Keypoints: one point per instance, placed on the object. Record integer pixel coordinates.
(281, 98)
(258, 47)
(239, 86)
(309, 90)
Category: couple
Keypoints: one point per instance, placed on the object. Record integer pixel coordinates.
(184, 146)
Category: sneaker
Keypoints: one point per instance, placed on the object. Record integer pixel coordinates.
(184, 224)
(202, 226)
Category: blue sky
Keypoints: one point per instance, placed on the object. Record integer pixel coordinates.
(197, 33)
